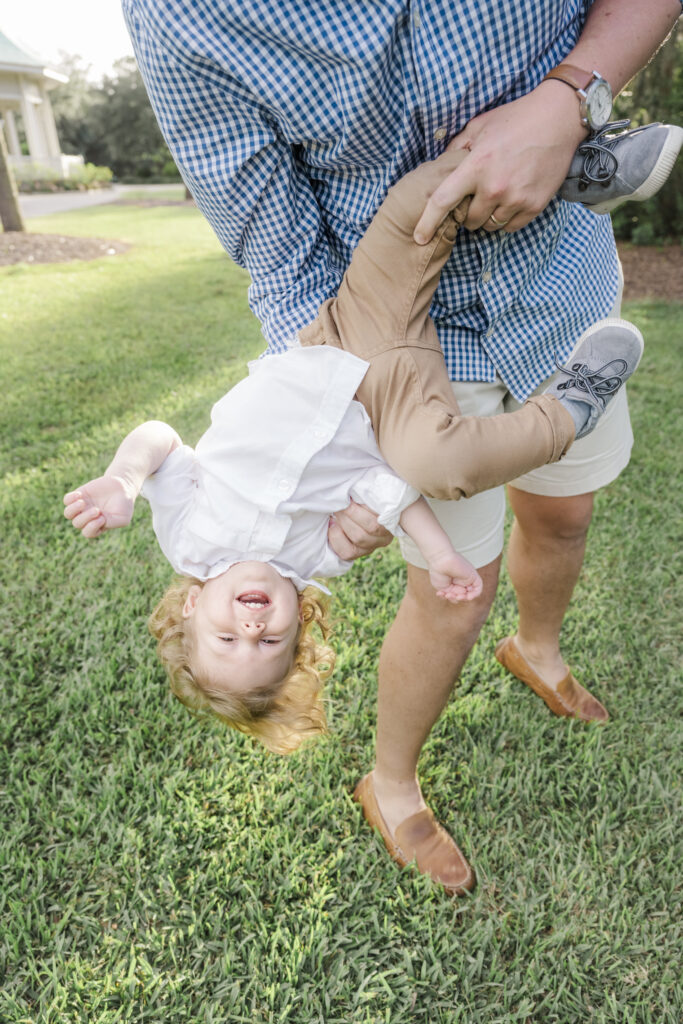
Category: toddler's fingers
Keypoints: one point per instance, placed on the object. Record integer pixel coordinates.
(76, 506)
(94, 528)
(477, 586)
(454, 594)
(85, 516)
(72, 496)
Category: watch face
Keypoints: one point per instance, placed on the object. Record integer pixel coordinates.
(599, 104)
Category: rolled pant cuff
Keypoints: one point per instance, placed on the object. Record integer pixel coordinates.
(560, 422)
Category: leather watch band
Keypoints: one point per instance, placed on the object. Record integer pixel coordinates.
(577, 78)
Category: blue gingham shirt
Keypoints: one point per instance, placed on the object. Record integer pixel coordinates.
(290, 119)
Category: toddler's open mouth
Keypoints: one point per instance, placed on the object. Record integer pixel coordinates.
(254, 599)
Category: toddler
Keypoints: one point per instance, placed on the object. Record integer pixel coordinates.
(243, 517)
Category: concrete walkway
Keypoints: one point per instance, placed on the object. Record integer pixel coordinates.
(59, 202)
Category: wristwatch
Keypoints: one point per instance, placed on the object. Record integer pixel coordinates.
(594, 92)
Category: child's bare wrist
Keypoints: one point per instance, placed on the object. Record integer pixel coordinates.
(434, 558)
(130, 486)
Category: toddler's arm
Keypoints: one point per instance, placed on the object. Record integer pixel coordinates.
(451, 575)
(108, 501)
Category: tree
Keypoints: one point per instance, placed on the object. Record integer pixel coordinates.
(656, 94)
(129, 139)
(10, 214)
(111, 123)
(71, 103)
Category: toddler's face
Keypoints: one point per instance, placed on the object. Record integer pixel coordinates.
(244, 624)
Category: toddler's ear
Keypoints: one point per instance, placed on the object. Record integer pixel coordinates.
(191, 600)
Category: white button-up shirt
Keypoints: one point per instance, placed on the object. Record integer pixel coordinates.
(287, 447)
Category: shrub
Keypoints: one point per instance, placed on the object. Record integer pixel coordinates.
(36, 178)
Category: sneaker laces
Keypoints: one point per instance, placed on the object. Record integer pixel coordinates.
(593, 385)
(599, 163)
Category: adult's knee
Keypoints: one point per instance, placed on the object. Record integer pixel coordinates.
(448, 623)
(564, 519)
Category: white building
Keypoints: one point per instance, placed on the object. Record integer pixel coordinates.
(26, 113)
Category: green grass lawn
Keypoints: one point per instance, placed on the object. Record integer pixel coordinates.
(157, 869)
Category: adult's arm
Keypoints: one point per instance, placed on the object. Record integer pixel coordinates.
(519, 153)
(243, 174)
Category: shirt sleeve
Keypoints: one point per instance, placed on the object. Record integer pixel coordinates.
(386, 494)
(170, 492)
(243, 175)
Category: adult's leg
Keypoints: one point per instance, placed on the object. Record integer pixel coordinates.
(544, 559)
(553, 507)
(422, 657)
(545, 556)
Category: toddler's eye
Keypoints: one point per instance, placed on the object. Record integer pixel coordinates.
(227, 639)
(267, 640)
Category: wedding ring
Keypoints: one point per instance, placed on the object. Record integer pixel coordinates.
(498, 223)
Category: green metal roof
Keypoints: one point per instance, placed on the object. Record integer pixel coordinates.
(10, 53)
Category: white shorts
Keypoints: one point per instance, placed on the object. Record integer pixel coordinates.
(475, 525)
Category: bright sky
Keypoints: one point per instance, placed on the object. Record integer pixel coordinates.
(94, 29)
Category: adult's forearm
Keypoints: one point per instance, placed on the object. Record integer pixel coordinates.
(519, 152)
(620, 37)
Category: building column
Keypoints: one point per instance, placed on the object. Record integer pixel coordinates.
(35, 136)
(11, 133)
(50, 128)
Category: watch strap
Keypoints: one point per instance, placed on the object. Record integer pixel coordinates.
(575, 77)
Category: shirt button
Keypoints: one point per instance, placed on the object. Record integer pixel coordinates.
(489, 333)
(486, 276)
(416, 20)
(318, 432)
(284, 484)
(440, 134)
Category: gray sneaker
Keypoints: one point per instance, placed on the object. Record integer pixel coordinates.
(602, 361)
(608, 170)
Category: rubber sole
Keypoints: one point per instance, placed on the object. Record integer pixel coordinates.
(655, 179)
(608, 321)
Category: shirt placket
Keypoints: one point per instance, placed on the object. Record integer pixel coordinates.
(429, 92)
(490, 288)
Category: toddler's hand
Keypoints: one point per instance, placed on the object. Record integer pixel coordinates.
(454, 578)
(102, 504)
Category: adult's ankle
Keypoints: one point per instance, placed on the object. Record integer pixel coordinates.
(543, 656)
(393, 785)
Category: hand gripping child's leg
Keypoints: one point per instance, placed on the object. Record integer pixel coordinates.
(381, 314)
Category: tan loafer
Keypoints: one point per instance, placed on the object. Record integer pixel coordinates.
(569, 698)
(419, 838)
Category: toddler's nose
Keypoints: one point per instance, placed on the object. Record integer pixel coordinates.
(253, 628)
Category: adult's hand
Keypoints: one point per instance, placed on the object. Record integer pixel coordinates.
(354, 532)
(518, 157)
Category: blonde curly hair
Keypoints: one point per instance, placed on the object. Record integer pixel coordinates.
(281, 718)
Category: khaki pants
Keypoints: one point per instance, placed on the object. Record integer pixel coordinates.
(381, 314)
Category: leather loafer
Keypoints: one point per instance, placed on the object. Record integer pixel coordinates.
(569, 698)
(419, 838)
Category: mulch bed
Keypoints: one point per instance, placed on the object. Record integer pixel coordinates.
(652, 273)
(22, 247)
(649, 272)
